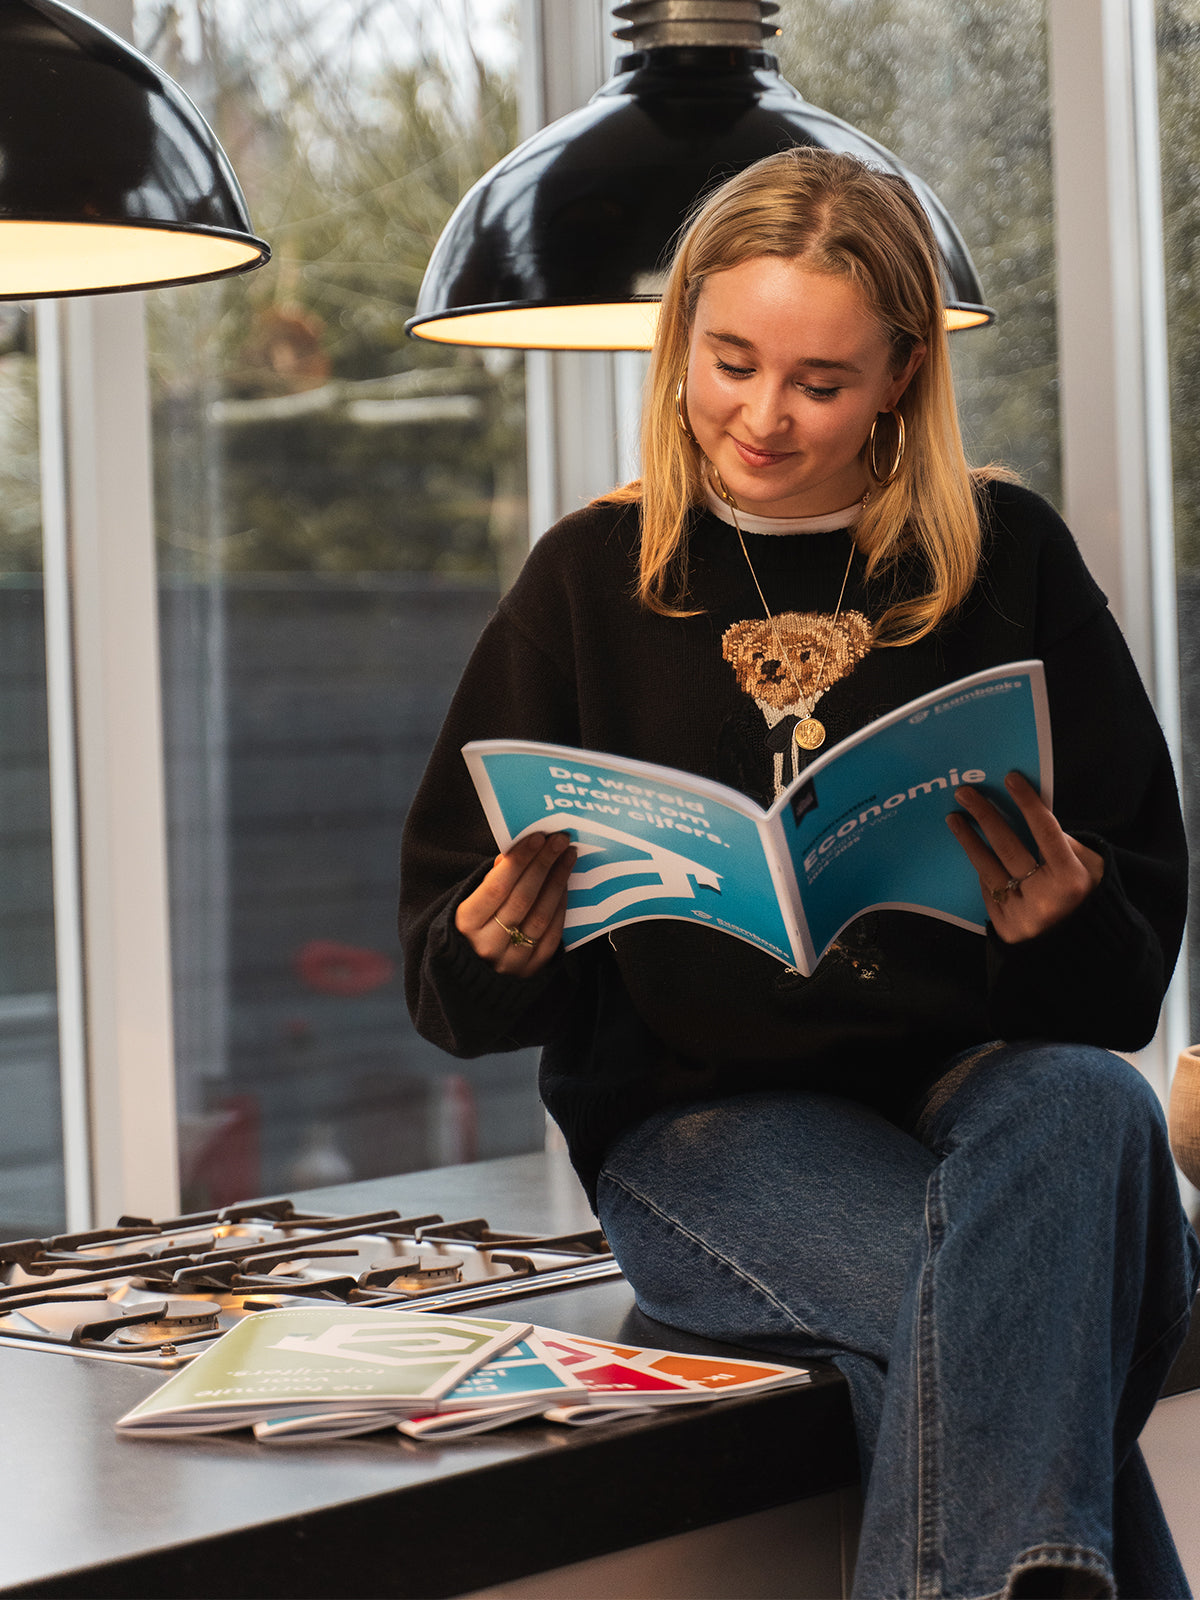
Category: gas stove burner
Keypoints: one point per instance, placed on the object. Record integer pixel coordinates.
(413, 1273)
(180, 1319)
(156, 1293)
(95, 1318)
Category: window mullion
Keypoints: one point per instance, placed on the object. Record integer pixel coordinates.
(64, 810)
(125, 927)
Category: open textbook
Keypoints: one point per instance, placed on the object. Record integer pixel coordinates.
(862, 828)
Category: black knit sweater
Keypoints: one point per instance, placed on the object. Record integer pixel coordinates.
(665, 1010)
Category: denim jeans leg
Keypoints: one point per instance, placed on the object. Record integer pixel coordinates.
(1004, 1299)
(759, 1219)
(1052, 1289)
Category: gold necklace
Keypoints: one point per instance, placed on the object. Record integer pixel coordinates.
(809, 732)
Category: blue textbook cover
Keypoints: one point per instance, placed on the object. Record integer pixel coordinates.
(863, 827)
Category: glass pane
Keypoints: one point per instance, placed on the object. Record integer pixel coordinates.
(338, 510)
(960, 93)
(31, 1168)
(1178, 84)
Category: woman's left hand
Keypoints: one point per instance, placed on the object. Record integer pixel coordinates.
(1024, 894)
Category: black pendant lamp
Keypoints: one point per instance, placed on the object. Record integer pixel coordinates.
(564, 244)
(109, 177)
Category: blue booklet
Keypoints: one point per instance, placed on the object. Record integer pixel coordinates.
(862, 828)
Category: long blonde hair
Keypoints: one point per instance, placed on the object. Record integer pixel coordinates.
(841, 217)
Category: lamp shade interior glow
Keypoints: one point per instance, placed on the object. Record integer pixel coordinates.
(110, 178)
(91, 257)
(615, 325)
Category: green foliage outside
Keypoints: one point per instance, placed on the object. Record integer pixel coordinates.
(959, 92)
(297, 428)
(20, 492)
(1178, 74)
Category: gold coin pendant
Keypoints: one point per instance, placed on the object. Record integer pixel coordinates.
(809, 734)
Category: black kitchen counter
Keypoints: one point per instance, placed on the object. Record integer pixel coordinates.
(93, 1514)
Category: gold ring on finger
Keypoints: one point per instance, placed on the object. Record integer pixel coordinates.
(1001, 895)
(515, 936)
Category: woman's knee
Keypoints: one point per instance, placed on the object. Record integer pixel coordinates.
(1058, 1086)
(1050, 1119)
(1096, 1078)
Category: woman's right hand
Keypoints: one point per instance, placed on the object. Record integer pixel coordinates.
(525, 892)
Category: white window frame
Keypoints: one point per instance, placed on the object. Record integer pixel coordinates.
(111, 891)
(1112, 357)
(110, 872)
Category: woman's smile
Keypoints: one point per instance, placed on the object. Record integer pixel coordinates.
(754, 456)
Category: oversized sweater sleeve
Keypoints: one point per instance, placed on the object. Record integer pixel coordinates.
(1100, 975)
(512, 688)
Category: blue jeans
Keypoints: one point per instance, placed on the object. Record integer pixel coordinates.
(1004, 1286)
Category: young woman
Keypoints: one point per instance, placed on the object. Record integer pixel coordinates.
(920, 1163)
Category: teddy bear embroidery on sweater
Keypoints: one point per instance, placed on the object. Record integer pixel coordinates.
(820, 649)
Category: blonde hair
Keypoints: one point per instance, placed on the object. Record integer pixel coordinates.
(837, 216)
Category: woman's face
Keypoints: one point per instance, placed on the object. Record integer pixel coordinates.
(787, 370)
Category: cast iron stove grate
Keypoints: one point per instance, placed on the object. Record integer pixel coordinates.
(157, 1293)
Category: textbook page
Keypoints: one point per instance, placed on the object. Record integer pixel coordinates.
(652, 842)
(865, 825)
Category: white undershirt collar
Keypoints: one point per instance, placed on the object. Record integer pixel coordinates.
(827, 522)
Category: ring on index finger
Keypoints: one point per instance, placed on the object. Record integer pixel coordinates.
(1001, 895)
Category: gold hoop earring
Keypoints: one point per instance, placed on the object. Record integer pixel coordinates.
(896, 459)
(681, 416)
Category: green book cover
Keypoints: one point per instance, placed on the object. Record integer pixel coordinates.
(322, 1358)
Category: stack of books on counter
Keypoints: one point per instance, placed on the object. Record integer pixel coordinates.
(328, 1372)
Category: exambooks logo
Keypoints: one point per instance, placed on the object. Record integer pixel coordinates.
(363, 1341)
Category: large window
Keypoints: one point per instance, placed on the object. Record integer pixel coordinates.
(337, 510)
(31, 1171)
(1178, 85)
